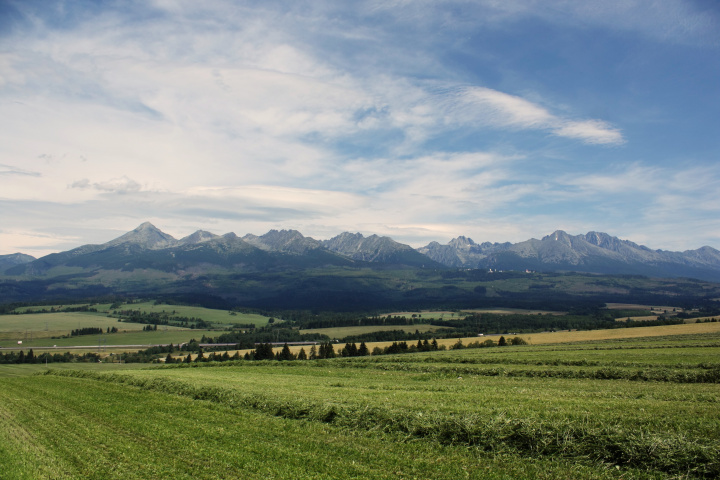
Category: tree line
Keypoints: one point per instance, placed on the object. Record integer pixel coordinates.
(30, 357)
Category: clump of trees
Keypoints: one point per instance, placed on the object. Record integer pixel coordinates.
(86, 331)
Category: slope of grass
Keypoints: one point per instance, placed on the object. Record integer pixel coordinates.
(46, 325)
(627, 408)
(220, 317)
(67, 428)
(342, 332)
(640, 403)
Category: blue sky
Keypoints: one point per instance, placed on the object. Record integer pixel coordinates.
(420, 120)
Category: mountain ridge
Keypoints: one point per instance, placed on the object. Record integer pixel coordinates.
(593, 252)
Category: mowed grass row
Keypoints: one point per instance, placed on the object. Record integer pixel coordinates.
(659, 426)
(67, 428)
(694, 352)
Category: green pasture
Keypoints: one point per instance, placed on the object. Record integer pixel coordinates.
(342, 332)
(37, 330)
(219, 317)
(68, 428)
(681, 351)
(100, 307)
(636, 408)
(29, 369)
(46, 325)
(425, 314)
(163, 335)
(512, 311)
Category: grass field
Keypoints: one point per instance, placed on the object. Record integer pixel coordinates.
(219, 317)
(630, 408)
(100, 307)
(544, 338)
(448, 315)
(69, 428)
(36, 330)
(342, 332)
(46, 325)
(616, 333)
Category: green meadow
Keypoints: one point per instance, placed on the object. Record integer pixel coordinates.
(218, 317)
(53, 326)
(632, 408)
(37, 331)
(342, 332)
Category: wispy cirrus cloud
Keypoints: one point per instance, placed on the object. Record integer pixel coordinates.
(499, 109)
(13, 170)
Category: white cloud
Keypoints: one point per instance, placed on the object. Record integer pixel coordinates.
(590, 131)
(502, 109)
(498, 109)
(12, 170)
(248, 118)
(122, 185)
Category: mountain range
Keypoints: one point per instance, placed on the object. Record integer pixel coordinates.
(149, 248)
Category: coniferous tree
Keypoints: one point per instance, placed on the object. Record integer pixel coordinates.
(363, 350)
(169, 359)
(264, 351)
(502, 342)
(302, 355)
(286, 354)
(313, 353)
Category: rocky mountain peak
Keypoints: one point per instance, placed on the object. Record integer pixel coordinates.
(558, 236)
(290, 241)
(197, 237)
(462, 242)
(9, 261)
(374, 249)
(146, 236)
